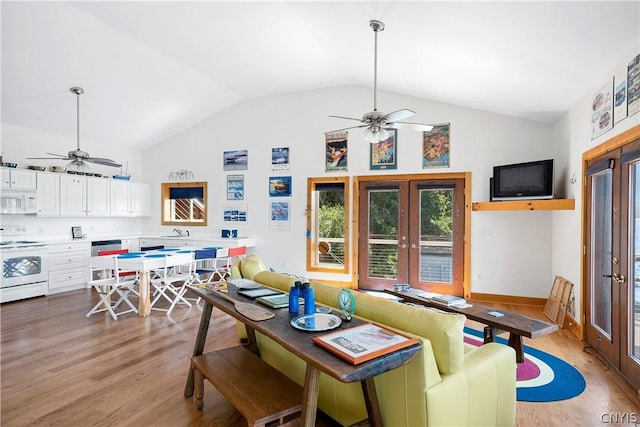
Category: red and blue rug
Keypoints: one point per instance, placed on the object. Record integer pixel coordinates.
(542, 377)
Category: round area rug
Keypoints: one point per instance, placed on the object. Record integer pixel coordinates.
(542, 377)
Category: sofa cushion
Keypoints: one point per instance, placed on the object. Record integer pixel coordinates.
(251, 265)
(444, 330)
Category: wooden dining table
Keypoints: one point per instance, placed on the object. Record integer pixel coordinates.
(144, 263)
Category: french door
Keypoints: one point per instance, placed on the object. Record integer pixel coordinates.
(612, 321)
(411, 231)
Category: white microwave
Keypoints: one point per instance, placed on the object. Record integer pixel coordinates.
(18, 201)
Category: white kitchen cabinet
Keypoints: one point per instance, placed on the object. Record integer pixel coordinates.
(129, 198)
(73, 195)
(140, 199)
(84, 196)
(98, 197)
(18, 178)
(68, 266)
(48, 194)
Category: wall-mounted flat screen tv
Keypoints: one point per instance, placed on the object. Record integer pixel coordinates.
(530, 180)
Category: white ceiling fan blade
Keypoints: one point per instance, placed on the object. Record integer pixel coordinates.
(411, 126)
(104, 162)
(346, 118)
(350, 127)
(48, 158)
(394, 116)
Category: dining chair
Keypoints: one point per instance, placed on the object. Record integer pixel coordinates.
(119, 252)
(110, 287)
(171, 285)
(207, 260)
(238, 252)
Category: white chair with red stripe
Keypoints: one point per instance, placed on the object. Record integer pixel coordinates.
(109, 288)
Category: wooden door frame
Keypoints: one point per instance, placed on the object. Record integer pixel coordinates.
(466, 176)
(612, 144)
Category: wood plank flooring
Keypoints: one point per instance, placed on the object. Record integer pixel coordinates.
(59, 368)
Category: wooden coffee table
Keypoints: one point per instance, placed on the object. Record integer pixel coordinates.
(517, 325)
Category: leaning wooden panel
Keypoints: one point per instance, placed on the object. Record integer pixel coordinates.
(556, 306)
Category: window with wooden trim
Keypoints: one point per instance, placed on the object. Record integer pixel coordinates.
(184, 203)
(328, 224)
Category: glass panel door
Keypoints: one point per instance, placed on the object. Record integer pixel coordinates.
(601, 249)
(628, 280)
(436, 227)
(383, 232)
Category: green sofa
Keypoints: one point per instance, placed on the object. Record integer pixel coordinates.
(449, 383)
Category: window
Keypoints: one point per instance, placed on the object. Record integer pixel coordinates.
(328, 224)
(184, 203)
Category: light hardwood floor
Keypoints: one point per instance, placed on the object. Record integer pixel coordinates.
(59, 368)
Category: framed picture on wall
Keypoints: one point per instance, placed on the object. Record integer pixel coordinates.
(235, 187)
(602, 109)
(384, 154)
(279, 186)
(336, 151)
(280, 159)
(235, 160)
(436, 147)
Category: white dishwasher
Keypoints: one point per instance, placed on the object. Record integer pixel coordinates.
(98, 246)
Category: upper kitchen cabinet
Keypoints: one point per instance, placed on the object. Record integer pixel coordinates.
(98, 197)
(129, 198)
(73, 195)
(48, 194)
(84, 196)
(18, 178)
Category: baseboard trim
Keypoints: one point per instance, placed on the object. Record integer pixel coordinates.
(572, 324)
(508, 299)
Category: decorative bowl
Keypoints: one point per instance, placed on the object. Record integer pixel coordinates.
(59, 169)
(9, 165)
(38, 168)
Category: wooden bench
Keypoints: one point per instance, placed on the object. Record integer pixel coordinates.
(261, 393)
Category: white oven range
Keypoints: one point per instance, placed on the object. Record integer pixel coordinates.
(25, 268)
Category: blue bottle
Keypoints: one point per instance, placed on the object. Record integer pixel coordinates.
(294, 294)
(309, 299)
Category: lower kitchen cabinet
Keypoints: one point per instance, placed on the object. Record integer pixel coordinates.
(68, 266)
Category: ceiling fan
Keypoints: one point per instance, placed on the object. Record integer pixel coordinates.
(375, 121)
(78, 157)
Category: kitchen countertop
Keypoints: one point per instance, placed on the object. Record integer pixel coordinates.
(248, 241)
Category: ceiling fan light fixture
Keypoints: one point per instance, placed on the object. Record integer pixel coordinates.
(78, 166)
(375, 135)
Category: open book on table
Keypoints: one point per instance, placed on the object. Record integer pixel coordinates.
(364, 342)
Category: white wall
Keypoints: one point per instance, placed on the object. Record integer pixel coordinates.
(572, 136)
(511, 252)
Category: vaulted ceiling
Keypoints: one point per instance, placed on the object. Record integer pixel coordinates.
(152, 69)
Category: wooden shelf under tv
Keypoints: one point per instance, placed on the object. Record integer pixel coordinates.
(526, 205)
